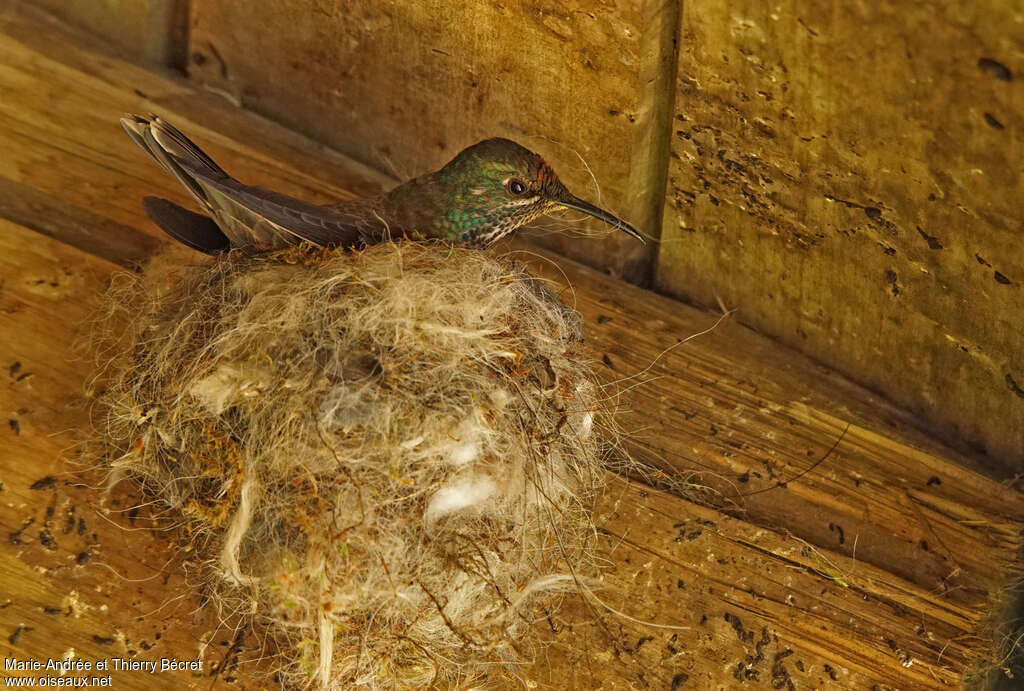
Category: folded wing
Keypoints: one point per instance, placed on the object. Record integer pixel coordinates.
(247, 216)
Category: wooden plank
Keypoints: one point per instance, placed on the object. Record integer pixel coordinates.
(41, 52)
(831, 566)
(745, 429)
(736, 416)
(78, 576)
(147, 31)
(849, 177)
(405, 86)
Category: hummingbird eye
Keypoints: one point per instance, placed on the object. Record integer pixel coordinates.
(516, 187)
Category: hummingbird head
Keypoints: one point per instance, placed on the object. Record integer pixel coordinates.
(496, 186)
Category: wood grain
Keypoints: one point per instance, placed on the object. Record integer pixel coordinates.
(147, 31)
(849, 177)
(405, 86)
(880, 568)
(81, 576)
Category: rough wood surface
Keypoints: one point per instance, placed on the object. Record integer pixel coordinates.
(147, 31)
(404, 86)
(849, 176)
(77, 579)
(877, 569)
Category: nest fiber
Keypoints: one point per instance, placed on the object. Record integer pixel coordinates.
(383, 457)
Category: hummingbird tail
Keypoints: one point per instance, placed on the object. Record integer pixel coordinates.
(240, 215)
(175, 153)
(187, 227)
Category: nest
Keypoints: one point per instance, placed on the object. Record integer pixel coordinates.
(384, 457)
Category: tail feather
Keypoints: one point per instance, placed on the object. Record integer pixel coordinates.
(135, 127)
(187, 227)
(184, 150)
(242, 215)
(181, 160)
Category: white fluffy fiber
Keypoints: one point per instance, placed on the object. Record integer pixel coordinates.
(385, 457)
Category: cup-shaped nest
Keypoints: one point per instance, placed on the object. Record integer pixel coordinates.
(384, 457)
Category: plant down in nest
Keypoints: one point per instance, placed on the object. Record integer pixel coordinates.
(385, 458)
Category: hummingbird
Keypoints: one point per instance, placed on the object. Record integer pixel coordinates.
(487, 191)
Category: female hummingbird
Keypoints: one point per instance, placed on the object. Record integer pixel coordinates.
(487, 191)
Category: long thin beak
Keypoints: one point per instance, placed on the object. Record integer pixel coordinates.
(571, 202)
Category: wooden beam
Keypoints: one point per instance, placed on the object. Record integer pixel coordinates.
(406, 86)
(81, 577)
(147, 31)
(848, 175)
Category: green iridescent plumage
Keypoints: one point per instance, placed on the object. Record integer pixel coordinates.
(487, 191)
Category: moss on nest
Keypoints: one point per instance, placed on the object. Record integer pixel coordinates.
(384, 457)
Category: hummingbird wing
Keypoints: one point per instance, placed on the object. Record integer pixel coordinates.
(249, 216)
